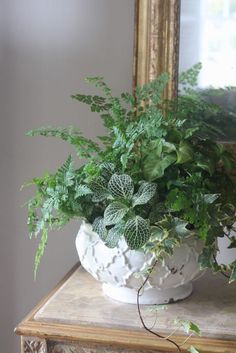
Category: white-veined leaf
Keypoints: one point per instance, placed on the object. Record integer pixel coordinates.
(114, 213)
(99, 228)
(121, 185)
(137, 232)
(114, 235)
(144, 194)
(99, 187)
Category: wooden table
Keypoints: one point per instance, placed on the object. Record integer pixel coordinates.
(77, 318)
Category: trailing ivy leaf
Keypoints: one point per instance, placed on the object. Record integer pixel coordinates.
(193, 350)
(184, 153)
(145, 193)
(205, 258)
(179, 228)
(114, 213)
(233, 273)
(99, 228)
(82, 190)
(114, 235)
(158, 233)
(137, 232)
(121, 185)
(188, 326)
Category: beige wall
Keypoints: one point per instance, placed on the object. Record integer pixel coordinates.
(47, 47)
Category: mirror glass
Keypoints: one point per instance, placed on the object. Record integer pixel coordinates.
(208, 35)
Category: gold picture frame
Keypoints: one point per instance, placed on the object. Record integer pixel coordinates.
(156, 45)
(157, 27)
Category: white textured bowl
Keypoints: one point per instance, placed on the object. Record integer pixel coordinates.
(117, 268)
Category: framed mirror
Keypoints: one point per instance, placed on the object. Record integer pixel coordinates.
(173, 35)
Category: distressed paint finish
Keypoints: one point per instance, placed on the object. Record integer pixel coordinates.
(157, 42)
(33, 345)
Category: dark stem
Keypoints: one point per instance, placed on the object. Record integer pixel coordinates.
(141, 317)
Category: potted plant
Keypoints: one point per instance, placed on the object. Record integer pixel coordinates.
(155, 193)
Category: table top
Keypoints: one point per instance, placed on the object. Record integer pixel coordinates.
(78, 309)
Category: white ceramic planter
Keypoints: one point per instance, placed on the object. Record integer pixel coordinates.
(117, 269)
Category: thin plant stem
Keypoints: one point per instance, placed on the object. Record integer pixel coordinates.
(141, 317)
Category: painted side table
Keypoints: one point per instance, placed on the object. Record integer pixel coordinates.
(77, 318)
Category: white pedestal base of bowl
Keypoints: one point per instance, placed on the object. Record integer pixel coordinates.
(151, 296)
(121, 269)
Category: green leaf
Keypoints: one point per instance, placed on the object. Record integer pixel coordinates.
(179, 228)
(189, 326)
(144, 194)
(158, 233)
(206, 164)
(233, 273)
(40, 250)
(210, 198)
(155, 167)
(114, 213)
(121, 185)
(193, 350)
(205, 258)
(137, 232)
(82, 190)
(114, 235)
(184, 153)
(100, 189)
(99, 228)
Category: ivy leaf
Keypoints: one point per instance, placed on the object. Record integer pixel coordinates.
(155, 167)
(99, 228)
(189, 326)
(114, 235)
(179, 228)
(233, 273)
(137, 232)
(114, 213)
(193, 350)
(184, 153)
(121, 185)
(205, 258)
(144, 194)
(159, 233)
(206, 164)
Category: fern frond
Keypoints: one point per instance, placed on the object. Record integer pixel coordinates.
(98, 82)
(84, 147)
(40, 250)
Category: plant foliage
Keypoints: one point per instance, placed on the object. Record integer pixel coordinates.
(156, 177)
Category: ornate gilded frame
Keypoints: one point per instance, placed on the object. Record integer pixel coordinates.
(157, 42)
